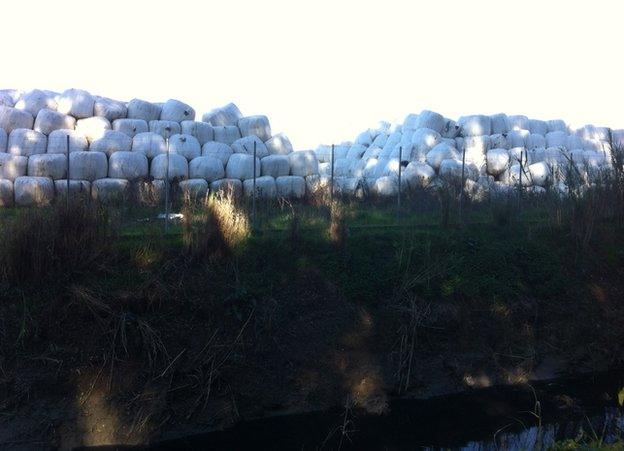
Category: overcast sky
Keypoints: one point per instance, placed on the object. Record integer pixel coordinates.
(324, 70)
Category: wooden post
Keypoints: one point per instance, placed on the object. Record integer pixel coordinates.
(331, 184)
(68, 184)
(461, 188)
(399, 193)
(167, 187)
(253, 202)
(520, 181)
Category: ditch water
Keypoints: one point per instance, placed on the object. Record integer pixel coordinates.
(492, 418)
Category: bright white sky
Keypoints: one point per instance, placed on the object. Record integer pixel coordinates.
(324, 70)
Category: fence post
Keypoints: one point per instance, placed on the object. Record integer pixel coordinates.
(331, 185)
(399, 193)
(67, 195)
(520, 181)
(167, 185)
(253, 202)
(461, 188)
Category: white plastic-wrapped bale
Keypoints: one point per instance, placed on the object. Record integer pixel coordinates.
(4, 139)
(497, 161)
(535, 141)
(77, 103)
(226, 186)
(226, 115)
(33, 191)
(87, 165)
(499, 141)
(112, 141)
(514, 175)
(451, 129)
(109, 108)
(499, 123)
(173, 164)
(439, 153)
(266, 187)
(475, 125)
(150, 144)
(349, 167)
(386, 186)
(324, 169)
(418, 175)
(165, 128)
(380, 140)
(540, 173)
(279, 145)
(423, 139)
(57, 141)
(144, 110)
(557, 125)
(290, 187)
(317, 184)
(218, 150)
(12, 166)
(176, 111)
(77, 188)
(617, 139)
(127, 165)
(356, 151)
(246, 145)
(11, 94)
(50, 165)
(12, 118)
(451, 171)
(343, 186)
(25, 142)
(48, 120)
(6, 193)
(275, 165)
(255, 125)
(303, 163)
(374, 168)
(588, 144)
(6, 100)
(592, 132)
(476, 148)
(518, 122)
(593, 159)
(426, 119)
(574, 142)
(185, 145)
(194, 189)
(130, 127)
(393, 140)
(376, 152)
(365, 138)
(36, 100)
(537, 126)
(518, 138)
(207, 168)
(556, 139)
(93, 127)
(226, 134)
(202, 131)
(110, 190)
(324, 152)
(241, 166)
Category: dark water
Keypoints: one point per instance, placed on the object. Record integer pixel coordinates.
(494, 418)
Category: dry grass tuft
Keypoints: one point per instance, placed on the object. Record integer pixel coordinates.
(338, 226)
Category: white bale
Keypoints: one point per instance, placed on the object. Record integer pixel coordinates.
(439, 153)
(226, 115)
(617, 139)
(535, 141)
(144, 110)
(538, 127)
(323, 152)
(275, 165)
(128, 166)
(592, 144)
(317, 183)
(185, 145)
(556, 139)
(380, 140)
(246, 145)
(202, 131)
(176, 111)
(26, 142)
(150, 144)
(266, 188)
(426, 119)
(165, 128)
(592, 132)
(226, 134)
(77, 103)
(303, 163)
(30, 191)
(48, 120)
(540, 173)
(255, 125)
(87, 165)
(500, 123)
(518, 138)
(451, 129)
(207, 168)
(356, 151)
(451, 171)
(418, 175)
(497, 161)
(218, 150)
(233, 186)
(49, 165)
(475, 125)
(375, 152)
(241, 166)
(109, 108)
(375, 168)
(424, 139)
(324, 169)
(386, 186)
(513, 175)
(555, 156)
(279, 145)
(171, 163)
(6, 193)
(593, 159)
(12, 118)
(393, 140)
(36, 100)
(12, 166)
(557, 125)
(476, 148)
(4, 139)
(290, 186)
(77, 188)
(518, 122)
(112, 141)
(349, 167)
(343, 186)
(460, 143)
(130, 127)
(499, 141)
(12, 94)
(109, 190)
(194, 189)
(6, 100)
(365, 138)
(93, 127)
(574, 142)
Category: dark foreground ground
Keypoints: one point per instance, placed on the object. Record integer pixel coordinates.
(116, 333)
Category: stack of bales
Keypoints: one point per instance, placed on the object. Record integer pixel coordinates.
(117, 146)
